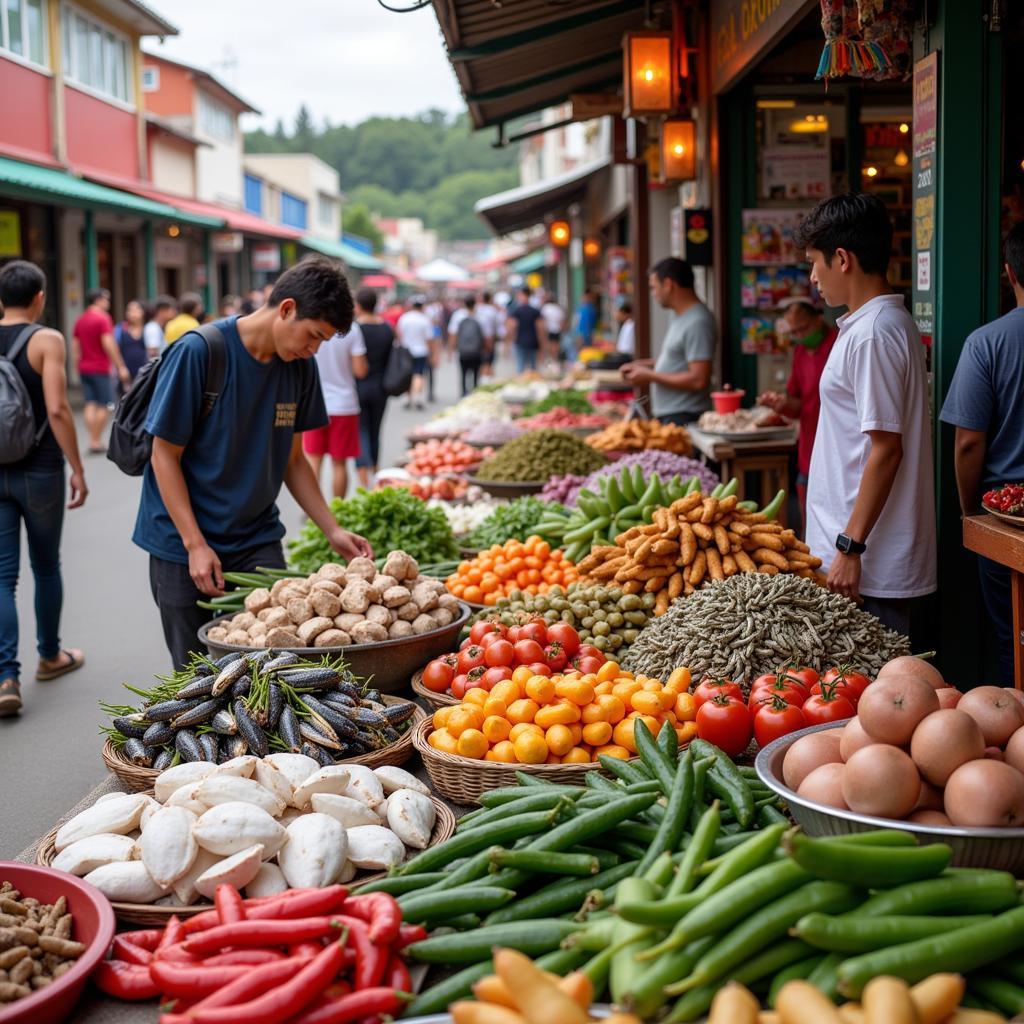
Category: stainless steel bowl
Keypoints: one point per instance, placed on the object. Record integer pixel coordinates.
(998, 848)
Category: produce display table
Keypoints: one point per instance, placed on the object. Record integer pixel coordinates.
(769, 458)
(988, 536)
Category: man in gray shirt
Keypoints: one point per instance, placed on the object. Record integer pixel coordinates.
(680, 380)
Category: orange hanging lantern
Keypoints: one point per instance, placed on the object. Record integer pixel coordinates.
(559, 233)
(678, 150)
(650, 83)
(591, 249)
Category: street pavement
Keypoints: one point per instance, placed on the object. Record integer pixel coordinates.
(50, 754)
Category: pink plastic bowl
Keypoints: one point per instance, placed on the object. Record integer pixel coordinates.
(727, 401)
(93, 924)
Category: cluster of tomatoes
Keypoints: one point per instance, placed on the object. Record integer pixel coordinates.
(779, 703)
(431, 458)
(493, 653)
(1008, 498)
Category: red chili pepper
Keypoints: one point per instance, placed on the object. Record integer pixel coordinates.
(147, 938)
(290, 904)
(250, 956)
(397, 974)
(177, 953)
(124, 949)
(307, 948)
(371, 959)
(410, 933)
(193, 980)
(380, 911)
(228, 902)
(335, 991)
(253, 983)
(261, 933)
(125, 981)
(369, 1002)
(174, 932)
(283, 1002)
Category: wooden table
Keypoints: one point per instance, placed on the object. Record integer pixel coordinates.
(769, 458)
(992, 538)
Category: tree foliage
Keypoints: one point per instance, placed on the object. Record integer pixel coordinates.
(358, 220)
(430, 166)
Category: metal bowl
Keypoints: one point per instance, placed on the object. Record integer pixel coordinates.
(1001, 849)
(391, 663)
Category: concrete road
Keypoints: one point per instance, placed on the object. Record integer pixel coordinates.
(50, 754)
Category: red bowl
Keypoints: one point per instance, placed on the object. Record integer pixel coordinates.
(727, 401)
(93, 924)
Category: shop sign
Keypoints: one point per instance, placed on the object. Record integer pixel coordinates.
(925, 126)
(266, 256)
(741, 30)
(170, 252)
(675, 232)
(795, 172)
(224, 242)
(10, 233)
(199, 276)
(697, 237)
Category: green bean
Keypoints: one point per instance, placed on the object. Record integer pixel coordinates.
(531, 800)
(956, 891)
(647, 995)
(436, 907)
(436, 998)
(510, 794)
(397, 885)
(680, 796)
(825, 977)
(800, 971)
(530, 937)
(726, 781)
(697, 851)
(544, 862)
(668, 744)
(1005, 995)
(653, 757)
(561, 961)
(852, 933)
(628, 938)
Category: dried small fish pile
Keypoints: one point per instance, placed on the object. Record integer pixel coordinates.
(251, 704)
(752, 623)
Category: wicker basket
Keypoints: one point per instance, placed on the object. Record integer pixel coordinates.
(462, 780)
(435, 700)
(158, 916)
(138, 779)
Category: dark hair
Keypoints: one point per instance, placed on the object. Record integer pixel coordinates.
(190, 303)
(417, 303)
(20, 283)
(163, 302)
(673, 269)
(487, 296)
(859, 223)
(470, 302)
(320, 290)
(526, 291)
(625, 307)
(367, 299)
(1013, 250)
(246, 307)
(94, 294)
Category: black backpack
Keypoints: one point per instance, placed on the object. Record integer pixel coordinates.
(469, 339)
(130, 446)
(20, 433)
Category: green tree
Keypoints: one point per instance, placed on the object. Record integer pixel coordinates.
(304, 131)
(357, 220)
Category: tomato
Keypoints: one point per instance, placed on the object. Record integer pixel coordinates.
(555, 657)
(471, 657)
(499, 653)
(490, 638)
(493, 676)
(828, 706)
(588, 664)
(768, 679)
(459, 684)
(480, 629)
(804, 675)
(776, 719)
(562, 633)
(534, 630)
(540, 668)
(438, 676)
(851, 684)
(725, 721)
(528, 651)
(783, 688)
(590, 651)
(709, 688)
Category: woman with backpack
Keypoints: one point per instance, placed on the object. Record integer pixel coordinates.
(37, 433)
(379, 339)
(470, 342)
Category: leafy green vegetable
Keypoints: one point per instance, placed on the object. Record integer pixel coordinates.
(518, 519)
(574, 401)
(391, 519)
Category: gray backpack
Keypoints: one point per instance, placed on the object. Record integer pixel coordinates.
(469, 339)
(18, 431)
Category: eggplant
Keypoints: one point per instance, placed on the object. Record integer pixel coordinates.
(255, 738)
(241, 687)
(200, 714)
(288, 729)
(210, 747)
(333, 716)
(224, 723)
(126, 727)
(187, 745)
(137, 752)
(317, 753)
(231, 673)
(196, 688)
(165, 710)
(396, 714)
(163, 760)
(375, 696)
(309, 732)
(310, 678)
(282, 659)
(275, 705)
(158, 734)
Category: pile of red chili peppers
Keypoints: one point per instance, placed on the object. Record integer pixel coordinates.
(306, 956)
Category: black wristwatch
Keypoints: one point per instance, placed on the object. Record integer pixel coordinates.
(849, 546)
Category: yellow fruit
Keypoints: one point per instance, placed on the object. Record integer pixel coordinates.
(465, 716)
(646, 703)
(576, 756)
(562, 713)
(476, 695)
(559, 739)
(524, 727)
(541, 689)
(494, 707)
(507, 691)
(441, 716)
(503, 751)
(686, 732)
(522, 711)
(608, 672)
(680, 678)
(685, 709)
(531, 748)
(443, 740)
(473, 743)
(579, 691)
(496, 728)
(597, 734)
(613, 750)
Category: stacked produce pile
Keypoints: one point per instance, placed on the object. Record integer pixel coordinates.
(516, 520)
(246, 703)
(465, 518)
(562, 419)
(341, 605)
(562, 488)
(492, 432)
(742, 421)
(636, 435)
(537, 455)
(426, 488)
(531, 566)
(391, 519)
(695, 541)
(570, 718)
(567, 400)
(522, 391)
(259, 824)
(430, 458)
(1008, 499)
(654, 460)
(464, 414)
(747, 625)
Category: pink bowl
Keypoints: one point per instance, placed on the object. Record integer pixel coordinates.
(727, 401)
(93, 924)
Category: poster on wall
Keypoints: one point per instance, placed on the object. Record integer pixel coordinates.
(619, 273)
(768, 287)
(795, 172)
(768, 237)
(10, 233)
(926, 98)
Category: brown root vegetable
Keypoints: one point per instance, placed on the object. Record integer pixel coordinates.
(891, 707)
(368, 633)
(423, 624)
(324, 602)
(281, 637)
(329, 585)
(299, 610)
(395, 597)
(362, 569)
(379, 614)
(258, 600)
(333, 638)
(400, 565)
(881, 780)
(332, 571)
(399, 629)
(998, 714)
(309, 630)
(347, 621)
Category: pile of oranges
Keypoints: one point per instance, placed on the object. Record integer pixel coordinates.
(570, 718)
(529, 566)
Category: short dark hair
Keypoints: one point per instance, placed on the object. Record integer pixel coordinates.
(470, 302)
(20, 283)
(417, 303)
(163, 302)
(859, 223)
(93, 294)
(190, 303)
(1013, 251)
(526, 291)
(625, 307)
(367, 299)
(320, 290)
(487, 296)
(671, 268)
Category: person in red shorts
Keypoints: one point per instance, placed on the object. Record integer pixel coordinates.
(341, 361)
(812, 342)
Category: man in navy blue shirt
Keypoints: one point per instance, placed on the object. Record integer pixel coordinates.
(209, 493)
(986, 405)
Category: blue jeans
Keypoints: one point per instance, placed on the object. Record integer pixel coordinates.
(37, 497)
(526, 359)
(995, 592)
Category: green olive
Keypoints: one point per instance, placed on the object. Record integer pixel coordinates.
(615, 594)
(602, 629)
(630, 635)
(551, 616)
(516, 595)
(636, 618)
(614, 619)
(630, 602)
(600, 642)
(567, 616)
(580, 608)
(587, 622)
(584, 635)
(596, 605)
(615, 641)
(559, 604)
(600, 594)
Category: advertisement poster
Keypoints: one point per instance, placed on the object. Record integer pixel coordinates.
(758, 335)
(768, 237)
(795, 172)
(768, 287)
(925, 126)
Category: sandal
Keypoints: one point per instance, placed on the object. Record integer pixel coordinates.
(75, 659)
(10, 698)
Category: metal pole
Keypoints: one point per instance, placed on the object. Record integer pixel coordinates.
(92, 263)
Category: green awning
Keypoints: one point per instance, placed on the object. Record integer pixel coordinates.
(348, 254)
(527, 264)
(30, 181)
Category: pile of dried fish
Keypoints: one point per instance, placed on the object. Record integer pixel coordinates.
(750, 624)
(255, 703)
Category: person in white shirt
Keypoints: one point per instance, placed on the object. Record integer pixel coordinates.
(870, 507)
(415, 332)
(341, 360)
(492, 323)
(163, 309)
(626, 341)
(554, 321)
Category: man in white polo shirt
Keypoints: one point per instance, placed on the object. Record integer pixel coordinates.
(870, 497)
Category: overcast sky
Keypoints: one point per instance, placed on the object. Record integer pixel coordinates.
(345, 59)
